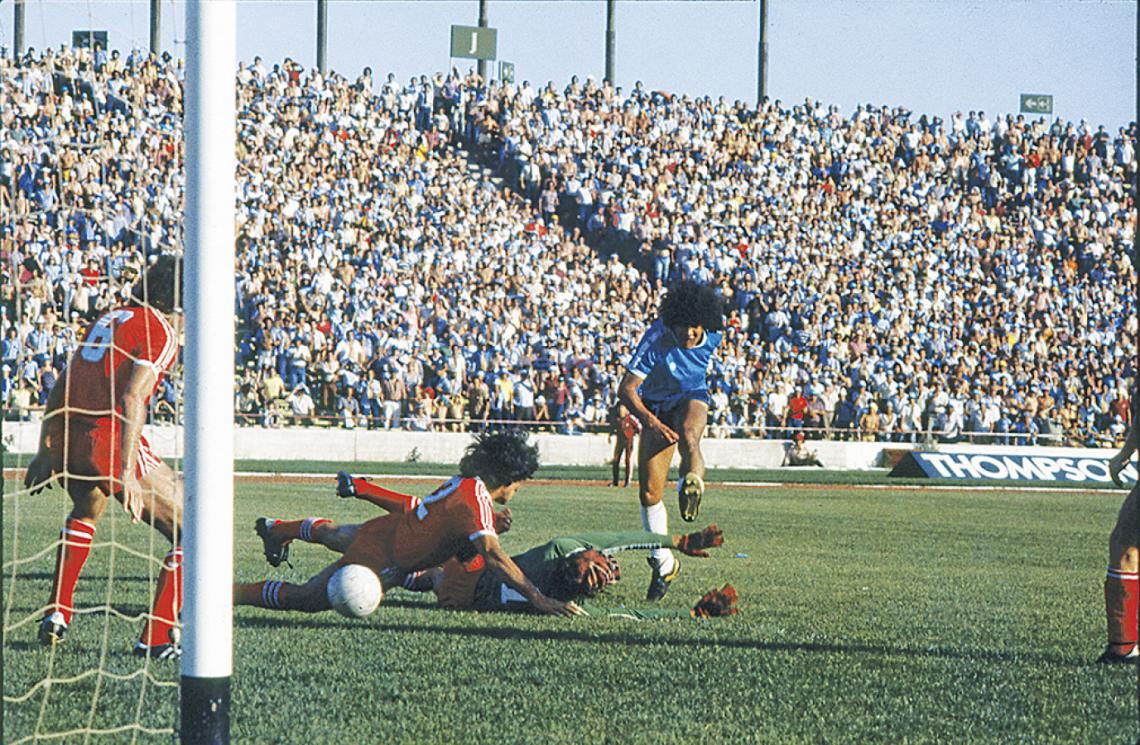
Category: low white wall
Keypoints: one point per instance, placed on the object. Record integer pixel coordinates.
(256, 443)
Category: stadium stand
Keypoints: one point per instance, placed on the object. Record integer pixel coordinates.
(433, 254)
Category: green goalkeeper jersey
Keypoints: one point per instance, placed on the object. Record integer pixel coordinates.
(538, 564)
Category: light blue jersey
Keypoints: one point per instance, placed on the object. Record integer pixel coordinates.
(669, 372)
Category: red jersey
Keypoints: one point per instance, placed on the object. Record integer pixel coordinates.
(121, 338)
(797, 407)
(630, 426)
(440, 527)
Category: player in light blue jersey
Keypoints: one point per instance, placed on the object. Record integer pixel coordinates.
(665, 387)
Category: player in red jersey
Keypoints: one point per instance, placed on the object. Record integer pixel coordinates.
(625, 427)
(92, 438)
(1122, 580)
(568, 568)
(456, 520)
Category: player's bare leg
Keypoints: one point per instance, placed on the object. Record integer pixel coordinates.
(620, 447)
(653, 458)
(163, 501)
(1122, 583)
(628, 452)
(691, 419)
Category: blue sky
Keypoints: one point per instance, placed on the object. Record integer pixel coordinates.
(932, 56)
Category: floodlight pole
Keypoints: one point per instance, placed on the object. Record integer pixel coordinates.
(762, 56)
(156, 27)
(207, 661)
(483, 24)
(1136, 265)
(17, 29)
(611, 42)
(322, 35)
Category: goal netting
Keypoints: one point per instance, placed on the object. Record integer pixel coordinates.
(70, 268)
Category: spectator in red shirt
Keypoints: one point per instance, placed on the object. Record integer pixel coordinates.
(797, 409)
(91, 273)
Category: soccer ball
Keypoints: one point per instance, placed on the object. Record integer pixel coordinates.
(355, 591)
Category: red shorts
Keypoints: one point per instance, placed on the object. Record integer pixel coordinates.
(90, 449)
(457, 589)
(372, 547)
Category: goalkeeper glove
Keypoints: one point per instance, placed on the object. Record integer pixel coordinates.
(716, 603)
(694, 544)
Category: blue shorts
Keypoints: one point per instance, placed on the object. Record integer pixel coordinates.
(664, 410)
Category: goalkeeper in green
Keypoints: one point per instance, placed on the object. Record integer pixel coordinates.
(575, 567)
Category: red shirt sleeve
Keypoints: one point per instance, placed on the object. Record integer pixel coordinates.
(479, 509)
(149, 339)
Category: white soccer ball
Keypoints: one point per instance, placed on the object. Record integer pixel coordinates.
(355, 591)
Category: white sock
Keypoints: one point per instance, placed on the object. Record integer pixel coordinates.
(655, 519)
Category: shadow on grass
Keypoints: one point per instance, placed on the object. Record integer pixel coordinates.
(517, 634)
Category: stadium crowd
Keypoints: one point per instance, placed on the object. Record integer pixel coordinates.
(433, 254)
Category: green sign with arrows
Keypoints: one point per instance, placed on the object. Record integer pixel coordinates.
(1036, 103)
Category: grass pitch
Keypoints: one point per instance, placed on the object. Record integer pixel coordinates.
(894, 616)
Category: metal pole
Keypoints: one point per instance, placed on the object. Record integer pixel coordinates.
(483, 24)
(155, 27)
(762, 56)
(1136, 266)
(611, 38)
(207, 661)
(18, 30)
(322, 35)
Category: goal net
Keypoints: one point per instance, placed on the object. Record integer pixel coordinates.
(78, 263)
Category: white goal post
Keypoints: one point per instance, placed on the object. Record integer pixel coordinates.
(207, 661)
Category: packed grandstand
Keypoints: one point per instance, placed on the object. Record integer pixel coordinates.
(435, 253)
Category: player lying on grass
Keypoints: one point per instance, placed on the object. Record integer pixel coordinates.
(456, 520)
(571, 568)
(1122, 580)
(575, 567)
(92, 438)
(666, 387)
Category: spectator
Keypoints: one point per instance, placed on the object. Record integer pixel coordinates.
(302, 406)
(899, 254)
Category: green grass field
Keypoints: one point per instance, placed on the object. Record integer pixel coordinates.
(865, 616)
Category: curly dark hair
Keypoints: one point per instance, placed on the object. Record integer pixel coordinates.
(568, 581)
(161, 285)
(693, 304)
(500, 458)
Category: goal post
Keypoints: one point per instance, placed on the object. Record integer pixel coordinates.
(207, 661)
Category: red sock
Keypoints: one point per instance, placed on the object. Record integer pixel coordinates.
(75, 545)
(385, 499)
(167, 601)
(289, 530)
(1121, 602)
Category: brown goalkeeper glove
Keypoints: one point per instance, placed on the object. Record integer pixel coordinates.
(694, 544)
(716, 603)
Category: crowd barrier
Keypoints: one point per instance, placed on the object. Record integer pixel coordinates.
(381, 446)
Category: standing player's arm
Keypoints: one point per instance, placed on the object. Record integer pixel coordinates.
(502, 565)
(40, 469)
(140, 383)
(629, 396)
(1117, 463)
